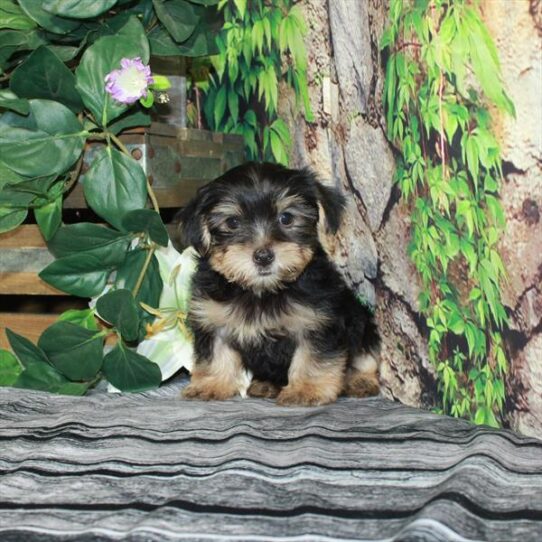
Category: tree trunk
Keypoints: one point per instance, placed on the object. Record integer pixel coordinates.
(346, 145)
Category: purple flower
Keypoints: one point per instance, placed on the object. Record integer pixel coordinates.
(131, 82)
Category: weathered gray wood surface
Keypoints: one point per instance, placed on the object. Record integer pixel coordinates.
(150, 467)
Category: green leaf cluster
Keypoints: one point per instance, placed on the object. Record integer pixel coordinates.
(450, 174)
(260, 46)
(49, 114)
(67, 27)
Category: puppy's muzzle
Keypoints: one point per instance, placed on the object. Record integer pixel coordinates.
(263, 257)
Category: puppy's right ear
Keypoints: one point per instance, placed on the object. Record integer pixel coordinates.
(333, 203)
(191, 222)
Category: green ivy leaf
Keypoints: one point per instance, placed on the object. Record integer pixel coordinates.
(161, 82)
(26, 351)
(44, 75)
(11, 218)
(57, 25)
(220, 106)
(84, 274)
(74, 351)
(233, 105)
(118, 308)
(129, 371)
(49, 217)
(78, 9)
(152, 284)
(10, 368)
(85, 236)
(102, 57)
(130, 119)
(84, 318)
(44, 377)
(180, 17)
(148, 221)
(114, 185)
(9, 100)
(47, 142)
(12, 16)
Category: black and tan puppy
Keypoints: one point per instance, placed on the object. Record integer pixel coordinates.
(266, 297)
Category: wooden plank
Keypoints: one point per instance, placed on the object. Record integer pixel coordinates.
(25, 283)
(168, 197)
(26, 236)
(29, 325)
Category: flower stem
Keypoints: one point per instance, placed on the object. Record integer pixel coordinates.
(139, 282)
(74, 175)
(120, 144)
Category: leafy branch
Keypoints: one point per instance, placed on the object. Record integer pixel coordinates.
(260, 47)
(450, 174)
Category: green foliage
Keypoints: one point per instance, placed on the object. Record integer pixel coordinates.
(48, 115)
(450, 173)
(260, 47)
(129, 371)
(10, 368)
(65, 27)
(114, 185)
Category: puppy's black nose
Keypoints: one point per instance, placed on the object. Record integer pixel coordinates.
(263, 256)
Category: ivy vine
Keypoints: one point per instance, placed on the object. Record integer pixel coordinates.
(260, 46)
(442, 76)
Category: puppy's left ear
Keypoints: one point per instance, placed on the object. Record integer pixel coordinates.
(191, 226)
(333, 204)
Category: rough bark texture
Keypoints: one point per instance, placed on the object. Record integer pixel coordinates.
(347, 145)
(516, 28)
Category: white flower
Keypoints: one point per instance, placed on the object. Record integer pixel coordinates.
(131, 82)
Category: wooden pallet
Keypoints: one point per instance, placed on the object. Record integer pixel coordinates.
(177, 160)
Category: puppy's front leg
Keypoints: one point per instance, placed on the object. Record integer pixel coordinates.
(313, 379)
(218, 378)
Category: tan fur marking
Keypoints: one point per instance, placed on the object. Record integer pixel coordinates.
(230, 208)
(206, 237)
(235, 262)
(291, 259)
(365, 363)
(221, 379)
(312, 382)
(285, 202)
(358, 384)
(294, 320)
(260, 388)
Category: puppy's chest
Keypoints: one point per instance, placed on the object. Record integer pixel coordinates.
(248, 323)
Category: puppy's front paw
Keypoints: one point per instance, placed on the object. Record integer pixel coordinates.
(208, 391)
(305, 395)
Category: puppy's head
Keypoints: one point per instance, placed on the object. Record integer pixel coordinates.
(257, 224)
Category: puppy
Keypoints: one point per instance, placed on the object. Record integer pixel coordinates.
(265, 296)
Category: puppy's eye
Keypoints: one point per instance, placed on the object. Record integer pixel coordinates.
(233, 222)
(286, 219)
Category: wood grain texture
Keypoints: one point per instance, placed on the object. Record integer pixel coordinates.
(27, 236)
(29, 325)
(25, 283)
(152, 467)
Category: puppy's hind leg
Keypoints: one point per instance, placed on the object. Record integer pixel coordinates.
(362, 376)
(263, 389)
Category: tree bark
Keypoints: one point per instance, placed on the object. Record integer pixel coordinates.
(347, 146)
